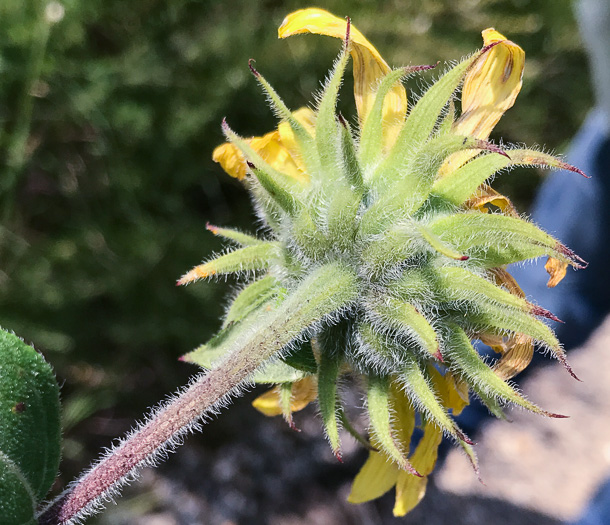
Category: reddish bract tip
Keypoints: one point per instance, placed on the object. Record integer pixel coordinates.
(254, 71)
(464, 258)
(543, 312)
(567, 366)
(342, 120)
(579, 262)
(556, 416)
(569, 167)
(347, 31)
(415, 69)
(488, 146)
(211, 228)
(463, 436)
(338, 455)
(181, 358)
(292, 425)
(250, 165)
(489, 46)
(439, 356)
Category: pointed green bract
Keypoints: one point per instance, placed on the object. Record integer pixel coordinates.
(496, 240)
(252, 297)
(473, 369)
(353, 170)
(426, 399)
(328, 139)
(380, 413)
(404, 318)
(372, 129)
(304, 139)
(328, 373)
(447, 120)
(459, 185)
(246, 259)
(422, 118)
(234, 235)
(437, 244)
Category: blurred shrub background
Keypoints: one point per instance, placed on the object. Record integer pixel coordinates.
(109, 112)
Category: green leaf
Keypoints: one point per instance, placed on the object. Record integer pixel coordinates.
(17, 501)
(30, 432)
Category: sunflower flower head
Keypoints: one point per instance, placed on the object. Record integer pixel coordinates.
(383, 256)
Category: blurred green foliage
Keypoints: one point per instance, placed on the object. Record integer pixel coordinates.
(108, 117)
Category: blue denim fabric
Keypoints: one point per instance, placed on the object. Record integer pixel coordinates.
(598, 511)
(575, 210)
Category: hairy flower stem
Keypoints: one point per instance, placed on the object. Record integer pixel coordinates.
(172, 421)
(327, 290)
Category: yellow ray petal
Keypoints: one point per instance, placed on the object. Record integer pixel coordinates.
(556, 270)
(376, 477)
(304, 392)
(491, 87)
(409, 488)
(286, 136)
(369, 66)
(269, 147)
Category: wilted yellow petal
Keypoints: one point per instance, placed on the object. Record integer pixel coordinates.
(486, 196)
(409, 488)
(507, 281)
(286, 136)
(556, 270)
(376, 477)
(517, 356)
(457, 394)
(230, 159)
(369, 66)
(491, 86)
(269, 147)
(404, 414)
(304, 392)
